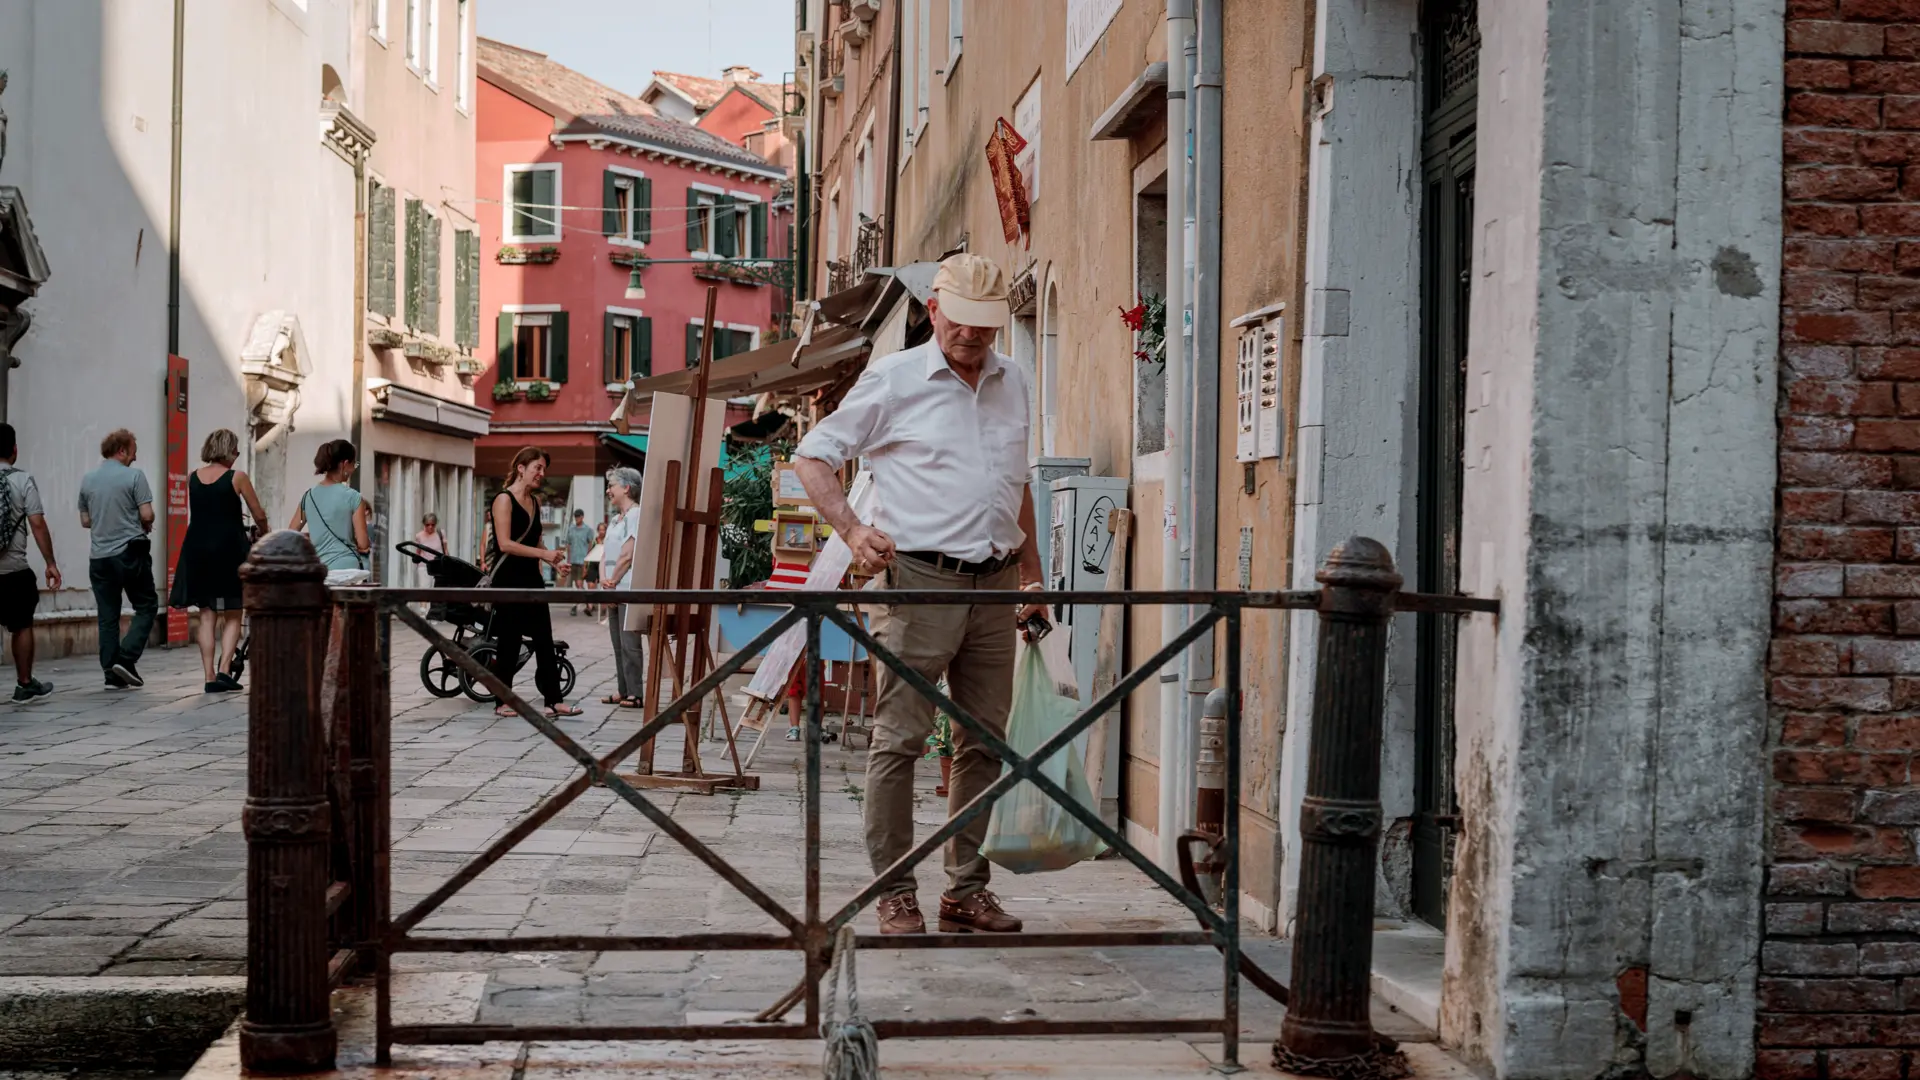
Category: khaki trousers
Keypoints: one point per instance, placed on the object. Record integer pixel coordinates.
(973, 647)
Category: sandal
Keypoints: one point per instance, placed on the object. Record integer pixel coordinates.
(630, 703)
(613, 699)
(506, 712)
(555, 712)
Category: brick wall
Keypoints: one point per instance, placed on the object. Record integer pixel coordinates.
(1840, 963)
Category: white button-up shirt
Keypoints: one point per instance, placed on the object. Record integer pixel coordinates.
(949, 462)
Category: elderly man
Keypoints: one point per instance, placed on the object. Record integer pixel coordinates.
(944, 429)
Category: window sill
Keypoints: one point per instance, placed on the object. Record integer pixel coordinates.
(627, 242)
(618, 389)
(433, 86)
(525, 256)
(952, 63)
(377, 36)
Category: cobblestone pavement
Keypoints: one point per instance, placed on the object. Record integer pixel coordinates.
(121, 852)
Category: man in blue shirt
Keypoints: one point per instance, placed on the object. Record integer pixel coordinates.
(116, 506)
(579, 542)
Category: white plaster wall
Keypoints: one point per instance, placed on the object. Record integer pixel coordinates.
(267, 222)
(88, 107)
(1619, 499)
(266, 214)
(1358, 358)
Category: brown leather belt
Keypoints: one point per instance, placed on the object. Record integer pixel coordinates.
(959, 566)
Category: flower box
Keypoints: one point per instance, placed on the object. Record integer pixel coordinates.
(515, 255)
(540, 391)
(383, 338)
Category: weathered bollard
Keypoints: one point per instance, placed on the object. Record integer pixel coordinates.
(289, 1025)
(1327, 1026)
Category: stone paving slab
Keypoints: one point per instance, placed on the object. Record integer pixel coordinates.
(120, 854)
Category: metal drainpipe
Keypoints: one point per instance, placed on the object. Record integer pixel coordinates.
(173, 182)
(893, 140)
(1175, 732)
(1204, 461)
(361, 459)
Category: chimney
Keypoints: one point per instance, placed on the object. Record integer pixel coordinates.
(738, 73)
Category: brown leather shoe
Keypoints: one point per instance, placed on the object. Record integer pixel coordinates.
(978, 912)
(901, 915)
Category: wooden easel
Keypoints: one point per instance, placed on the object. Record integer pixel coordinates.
(682, 631)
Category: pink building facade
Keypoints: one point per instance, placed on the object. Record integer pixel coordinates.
(577, 183)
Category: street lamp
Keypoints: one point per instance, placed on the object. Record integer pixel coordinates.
(635, 291)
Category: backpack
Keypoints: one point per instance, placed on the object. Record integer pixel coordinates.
(13, 515)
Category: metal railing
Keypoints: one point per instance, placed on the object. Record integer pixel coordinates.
(288, 1025)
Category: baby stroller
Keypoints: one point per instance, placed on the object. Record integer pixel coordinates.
(471, 630)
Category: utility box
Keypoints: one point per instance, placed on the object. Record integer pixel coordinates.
(1080, 558)
(1045, 471)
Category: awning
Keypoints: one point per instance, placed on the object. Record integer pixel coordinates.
(770, 367)
(632, 450)
(396, 404)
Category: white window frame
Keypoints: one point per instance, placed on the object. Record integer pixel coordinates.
(743, 229)
(909, 82)
(627, 240)
(636, 315)
(748, 328)
(507, 173)
(833, 223)
(925, 69)
(432, 37)
(707, 213)
(541, 315)
(463, 55)
(412, 32)
(956, 36)
(863, 170)
(377, 22)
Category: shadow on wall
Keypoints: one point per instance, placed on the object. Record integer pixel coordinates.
(89, 146)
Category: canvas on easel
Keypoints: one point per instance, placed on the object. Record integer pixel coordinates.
(685, 537)
(668, 433)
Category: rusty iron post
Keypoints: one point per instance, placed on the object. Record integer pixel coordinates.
(289, 1024)
(1327, 1030)
(359, 643)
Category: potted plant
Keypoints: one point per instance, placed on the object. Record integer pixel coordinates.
(539, 391)
(1148, 321)
(516, 255)
(505, 389)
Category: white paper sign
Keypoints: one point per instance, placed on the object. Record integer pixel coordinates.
(1086, 21)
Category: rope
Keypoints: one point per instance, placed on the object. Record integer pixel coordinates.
(853, 1051)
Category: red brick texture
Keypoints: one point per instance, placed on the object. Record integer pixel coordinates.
(1840, 963)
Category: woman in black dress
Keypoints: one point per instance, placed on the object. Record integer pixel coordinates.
(208, 574)
(515, 516)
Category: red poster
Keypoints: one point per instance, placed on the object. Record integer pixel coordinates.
(176, 487)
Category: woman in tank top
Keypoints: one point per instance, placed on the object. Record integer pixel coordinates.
(207, 576)
(333, 514)
(515, 517)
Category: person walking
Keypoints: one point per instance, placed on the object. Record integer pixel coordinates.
(579, 542)
(338, 512)
(515, 513)
(208, 573)
(430, 535)
(116, 507)
(944, 429)
(20, 513)
(629, 653)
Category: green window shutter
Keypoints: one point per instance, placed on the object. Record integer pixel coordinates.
(522, 195)
(431, 304)
(416, 239)
(693, 346)
(380, 244)
(503, 350)
(473, 290)
(557, 342)
(759, 230)
(610, 223)
(726, 227)
(643, 347)
(693, 220)
(460, 287)
(609, 363)
(643, 210)
(547, 218)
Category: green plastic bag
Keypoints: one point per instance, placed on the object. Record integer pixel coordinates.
(1027, 831)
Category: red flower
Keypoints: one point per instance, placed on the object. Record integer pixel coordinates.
(1135, 317)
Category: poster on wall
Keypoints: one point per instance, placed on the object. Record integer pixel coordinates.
(176, 487)
(1086, 21)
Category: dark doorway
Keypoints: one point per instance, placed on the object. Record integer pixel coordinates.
(1452, 39)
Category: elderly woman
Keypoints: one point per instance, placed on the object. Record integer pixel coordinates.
(623, 493)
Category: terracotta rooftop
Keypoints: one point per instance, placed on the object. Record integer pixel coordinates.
(560, 85)
(706, 93)
(587, 106)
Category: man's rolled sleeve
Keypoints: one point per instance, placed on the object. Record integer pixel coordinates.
(849, 430)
